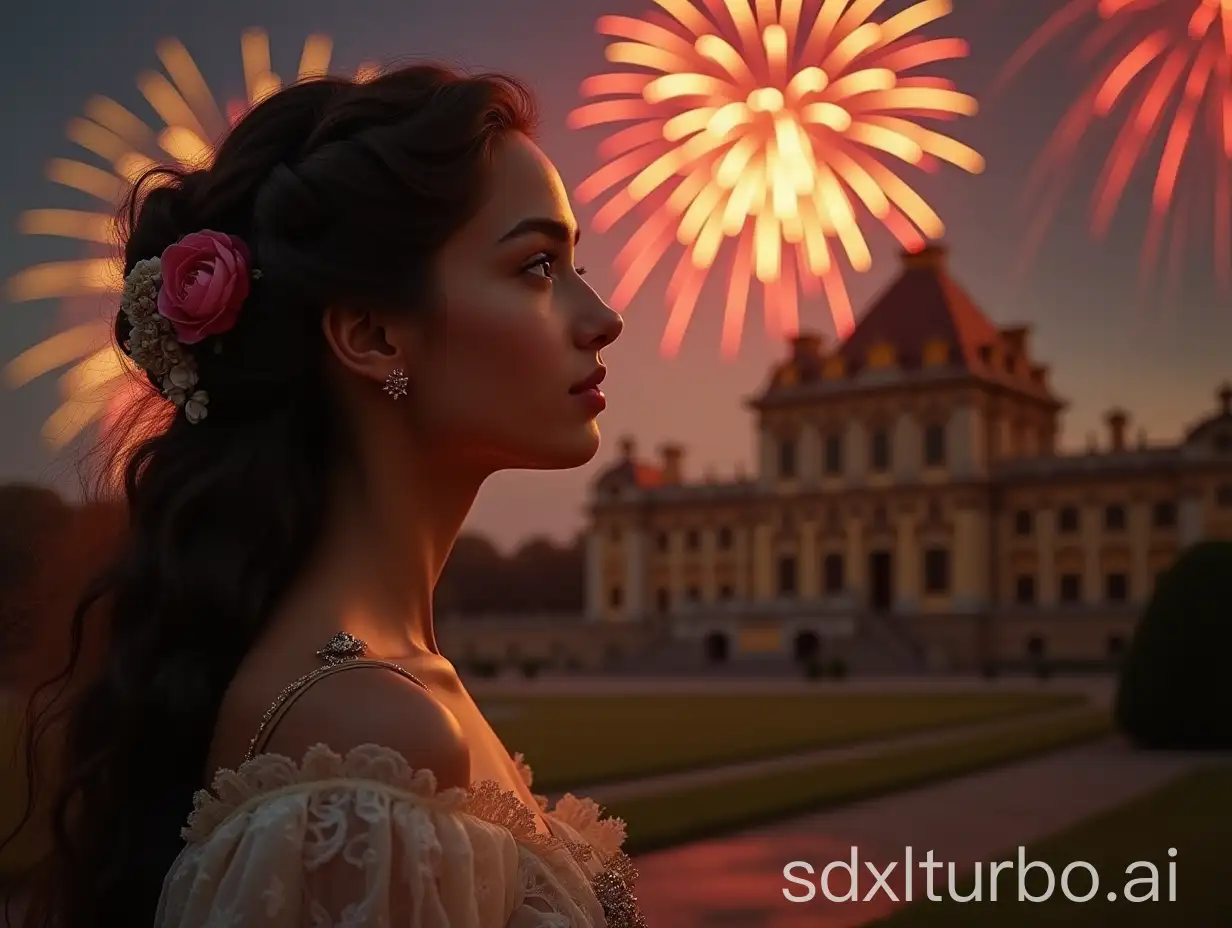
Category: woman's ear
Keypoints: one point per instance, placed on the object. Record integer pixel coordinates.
(370, 345)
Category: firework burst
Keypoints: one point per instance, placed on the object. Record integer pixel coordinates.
(767, 128)
(1167, 70)
(123, 146)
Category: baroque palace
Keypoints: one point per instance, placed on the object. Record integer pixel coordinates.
(910, 509)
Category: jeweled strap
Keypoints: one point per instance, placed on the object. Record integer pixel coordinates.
(342, 652)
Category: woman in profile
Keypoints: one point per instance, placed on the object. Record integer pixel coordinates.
(365, 307)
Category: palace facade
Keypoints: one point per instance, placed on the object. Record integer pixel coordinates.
(910, 509)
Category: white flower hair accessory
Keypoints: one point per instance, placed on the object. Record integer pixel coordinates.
(193, 291)
(152, 343)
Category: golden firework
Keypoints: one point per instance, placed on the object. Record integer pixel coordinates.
(123, 146)
(1168, 69)
(768, 127)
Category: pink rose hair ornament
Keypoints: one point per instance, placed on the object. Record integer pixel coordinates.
(193, 291)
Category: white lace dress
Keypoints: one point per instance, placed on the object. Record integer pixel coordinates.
(364, 840)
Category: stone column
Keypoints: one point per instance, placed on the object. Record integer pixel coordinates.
(1046, 581)
(964, 440)
(969, 561)
(744, 560)
(908, 566)
(675, 564)
(635, 573)
(855, 561)
(710, 560)
(596, 582)
(1140, 579)
(809, 567)
(906, 443)
(1189, 520)
(768, 458)
(855, 453)
(808, 455)
(1091, 529)
(763, 570)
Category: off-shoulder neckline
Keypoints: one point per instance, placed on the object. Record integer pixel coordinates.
(234, 792)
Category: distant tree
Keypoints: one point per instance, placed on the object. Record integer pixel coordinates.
(475, 579)
(49, 553)
(571, 582)
(540, 577)
(1174, 690)
(548, 578)
(29, 516)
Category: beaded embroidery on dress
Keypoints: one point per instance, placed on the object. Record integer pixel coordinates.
(603, 836)
(362, 839)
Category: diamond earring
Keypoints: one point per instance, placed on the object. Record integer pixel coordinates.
(396, 383)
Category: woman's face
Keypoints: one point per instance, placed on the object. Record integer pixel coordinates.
(510, 379)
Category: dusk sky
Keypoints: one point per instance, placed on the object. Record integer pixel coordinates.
(1160, 355)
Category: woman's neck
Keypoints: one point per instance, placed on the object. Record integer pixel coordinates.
(390, 525)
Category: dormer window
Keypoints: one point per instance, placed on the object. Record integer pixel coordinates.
(936, 353)
(882, 355)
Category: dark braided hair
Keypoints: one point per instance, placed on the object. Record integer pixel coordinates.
(344, 191)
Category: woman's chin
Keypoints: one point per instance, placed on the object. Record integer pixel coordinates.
(566, 451)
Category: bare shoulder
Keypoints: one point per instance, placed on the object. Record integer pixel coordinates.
(371, 704)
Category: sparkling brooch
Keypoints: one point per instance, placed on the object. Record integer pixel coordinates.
(342, 647)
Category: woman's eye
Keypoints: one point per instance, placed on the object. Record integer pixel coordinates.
(541, 267)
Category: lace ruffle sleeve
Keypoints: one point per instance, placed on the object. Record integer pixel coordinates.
(362, 840)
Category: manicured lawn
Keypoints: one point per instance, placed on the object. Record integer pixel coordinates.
(579, 741)
(666, 819)
(1192, 814)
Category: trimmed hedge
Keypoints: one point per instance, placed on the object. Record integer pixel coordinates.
(1175, 691)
